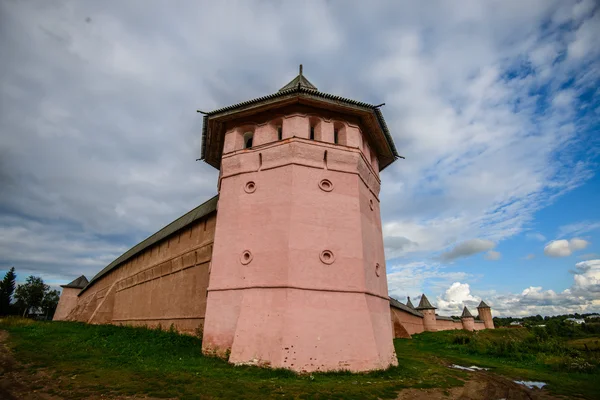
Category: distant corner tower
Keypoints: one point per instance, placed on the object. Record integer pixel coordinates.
(428, 311)
(298, 276)
(485, 315)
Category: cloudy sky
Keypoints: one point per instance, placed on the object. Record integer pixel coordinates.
(494, 104)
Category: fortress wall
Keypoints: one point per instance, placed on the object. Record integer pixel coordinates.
(67, 301)
(406, 324)
(163, 284)
(445, 325)
(411, 323)
(479, 325)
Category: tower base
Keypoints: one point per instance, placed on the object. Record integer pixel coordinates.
(298, 329)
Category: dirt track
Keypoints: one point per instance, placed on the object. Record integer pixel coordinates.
(17, 383)
(482, 386)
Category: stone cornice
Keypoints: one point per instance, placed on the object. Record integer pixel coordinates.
(304, 152)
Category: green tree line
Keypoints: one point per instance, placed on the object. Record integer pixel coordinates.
(33, 297)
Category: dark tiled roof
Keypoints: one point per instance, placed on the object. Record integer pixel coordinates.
(299, 81)
(78, 283)
(299, 87)
(483, 305)
(466, 313)
(409, 303)
(395, 303)
(202, 210)
(424, 304)
(444, 318)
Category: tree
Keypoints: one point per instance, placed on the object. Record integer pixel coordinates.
(7, 288)
(31, 293)
(50, 303)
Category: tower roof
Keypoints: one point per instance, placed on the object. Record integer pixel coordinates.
(466, 313)
(396, 304)
(409, 303)
(302, 92)
(78, 283)
(483, 305)
(299, 81)
(424, 304)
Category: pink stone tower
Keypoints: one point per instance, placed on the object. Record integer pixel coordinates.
(468, 322)
(298, 276)
(428, 311)
(485, 315)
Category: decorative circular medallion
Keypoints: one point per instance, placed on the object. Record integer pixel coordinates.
(327, 257)
(246, 257)
(250, 187)
(371, 206)
(326, 185)
(377, 269)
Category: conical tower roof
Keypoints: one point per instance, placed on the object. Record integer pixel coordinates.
(409, 303)
(424, 304)
(78, 283)
(299, 81)
(466, 313)
(483, 305)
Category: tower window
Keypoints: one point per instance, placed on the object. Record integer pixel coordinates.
(279, 133)
(335, 136)
(312, 133)
(248, 140)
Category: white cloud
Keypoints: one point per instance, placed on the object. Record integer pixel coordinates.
(589, 256)
(493, 255)
(469, 248)
(469, 133)
(457, 296)
(578, 228)
(535, 236)
(583, 296)
(564, 248)
(412, 279)
(100, 135)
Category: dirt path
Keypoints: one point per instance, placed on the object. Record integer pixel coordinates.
(17, 383)
(482, 386)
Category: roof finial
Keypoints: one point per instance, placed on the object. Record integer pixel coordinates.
(300, 69)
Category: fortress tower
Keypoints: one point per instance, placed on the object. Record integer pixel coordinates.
(468, 322)
(68, 297)
(485, 315)
(298, 276)
(428, 311)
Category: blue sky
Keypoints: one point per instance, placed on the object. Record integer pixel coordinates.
(495, 106)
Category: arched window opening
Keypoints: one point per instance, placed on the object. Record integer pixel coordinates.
(279, 133)
(335, 136)
(248, 139)
(312, 133)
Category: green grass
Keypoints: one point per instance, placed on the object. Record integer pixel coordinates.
(106, 359)
(493, 349)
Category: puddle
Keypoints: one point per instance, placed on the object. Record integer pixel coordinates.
(531, 384)
(471, 368)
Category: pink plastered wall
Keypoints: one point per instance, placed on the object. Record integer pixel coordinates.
(410, 323)
(445, 325)
(298, 257)
(66, 303)
(163, 285)
(479, 325)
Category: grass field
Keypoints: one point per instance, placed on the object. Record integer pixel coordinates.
(103, 359)
(548, 366)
